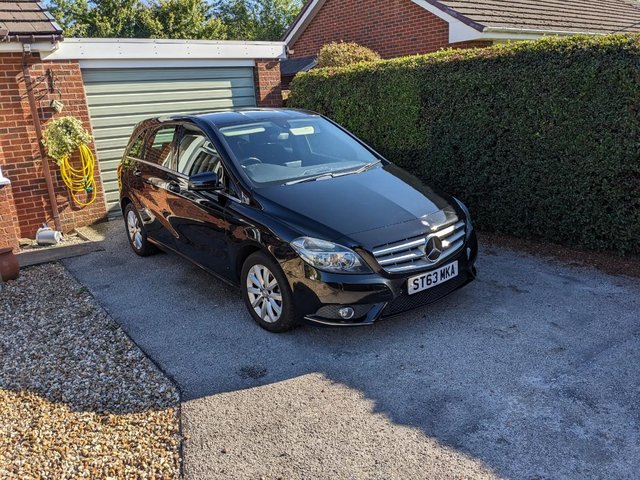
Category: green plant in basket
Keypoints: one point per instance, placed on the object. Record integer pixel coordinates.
(63, 136)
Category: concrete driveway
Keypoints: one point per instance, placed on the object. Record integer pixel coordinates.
(532, 372)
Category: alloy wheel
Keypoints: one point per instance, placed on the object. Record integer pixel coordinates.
(264, 293)
(135, 231)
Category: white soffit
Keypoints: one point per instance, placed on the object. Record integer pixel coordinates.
(129, 49)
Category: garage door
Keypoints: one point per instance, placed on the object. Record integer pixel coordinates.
(119, 98)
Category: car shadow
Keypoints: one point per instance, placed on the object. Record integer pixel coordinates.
(531, 369)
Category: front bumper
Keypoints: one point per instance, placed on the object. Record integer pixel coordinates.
(319, 295)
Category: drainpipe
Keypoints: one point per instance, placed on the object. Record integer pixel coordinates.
(26, 50)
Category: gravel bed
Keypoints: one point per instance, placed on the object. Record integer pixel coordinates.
(78, 399)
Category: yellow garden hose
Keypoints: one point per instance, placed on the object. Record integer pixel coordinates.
(80, 180)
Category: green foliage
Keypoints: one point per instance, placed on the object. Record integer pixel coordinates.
(105, 18)
(186, 19)
(63, 136)
(540, 139)
(257, 19)
(342, 54)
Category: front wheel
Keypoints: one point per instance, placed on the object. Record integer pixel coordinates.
(266, 293)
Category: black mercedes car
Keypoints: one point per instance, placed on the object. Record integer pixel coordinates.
(309, 221)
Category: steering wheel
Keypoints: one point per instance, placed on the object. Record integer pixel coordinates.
(250, 161)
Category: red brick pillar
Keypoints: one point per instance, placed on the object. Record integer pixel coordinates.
(8, 216)
(268, 83)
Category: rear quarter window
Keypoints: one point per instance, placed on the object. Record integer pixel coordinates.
(136, 146)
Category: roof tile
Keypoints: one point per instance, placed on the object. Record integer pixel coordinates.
(27, 18)
(571, 16)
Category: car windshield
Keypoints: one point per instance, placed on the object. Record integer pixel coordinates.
(295, 150)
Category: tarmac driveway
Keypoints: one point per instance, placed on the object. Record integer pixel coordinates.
(531, 372)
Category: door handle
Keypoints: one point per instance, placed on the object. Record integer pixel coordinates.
(173, 187)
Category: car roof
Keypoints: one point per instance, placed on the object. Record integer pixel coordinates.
(239, 115)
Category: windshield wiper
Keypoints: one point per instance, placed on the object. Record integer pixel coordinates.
(361, 169)
(310, 179)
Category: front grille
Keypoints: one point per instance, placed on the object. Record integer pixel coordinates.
(408, 302)
(409, 254)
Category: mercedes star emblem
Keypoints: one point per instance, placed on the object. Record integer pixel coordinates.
(433, 248)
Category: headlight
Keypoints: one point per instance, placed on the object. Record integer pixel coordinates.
(467, 216)
(329, 256)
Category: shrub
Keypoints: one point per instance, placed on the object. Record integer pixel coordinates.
(541, 139)
(343, 54)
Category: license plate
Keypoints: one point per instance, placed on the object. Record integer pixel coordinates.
(432, 279)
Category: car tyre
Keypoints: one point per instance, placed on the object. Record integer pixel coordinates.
(136, 232)
(266, 293)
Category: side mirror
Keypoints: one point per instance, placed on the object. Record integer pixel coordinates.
(204, 181)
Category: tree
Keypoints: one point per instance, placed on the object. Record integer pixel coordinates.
(104, 18)
(72, 15)
(257, 19)
(189, 19)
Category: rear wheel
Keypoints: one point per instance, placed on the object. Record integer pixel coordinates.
(266, 293)
(136, 232)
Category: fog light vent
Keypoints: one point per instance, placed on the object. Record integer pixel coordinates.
(338, 312)
(346, 313)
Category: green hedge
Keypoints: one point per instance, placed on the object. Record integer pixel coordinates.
(541, 139)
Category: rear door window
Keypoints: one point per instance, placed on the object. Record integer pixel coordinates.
(160, 147)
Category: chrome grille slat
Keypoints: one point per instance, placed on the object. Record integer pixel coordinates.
(403, 258)
(453, 238)
(401, 247)
(409, 254)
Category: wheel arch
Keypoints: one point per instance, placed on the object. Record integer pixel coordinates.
(124, 201)
(245, 252)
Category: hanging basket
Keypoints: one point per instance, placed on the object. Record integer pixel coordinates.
(62, 137)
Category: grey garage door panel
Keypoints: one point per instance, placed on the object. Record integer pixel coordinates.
(119, 99)
(179, 104)
(105, 75)
(168, 86)
(158, 97)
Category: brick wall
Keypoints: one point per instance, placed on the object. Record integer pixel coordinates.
(8, 217)
(390, 27)
(393, 28)
(21, 161)
(267, 78)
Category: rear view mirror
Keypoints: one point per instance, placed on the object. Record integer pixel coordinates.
(204, 181)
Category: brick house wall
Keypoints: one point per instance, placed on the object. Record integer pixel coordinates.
(268, 85)
(8, 216)
(21, 161)
(393, 28)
